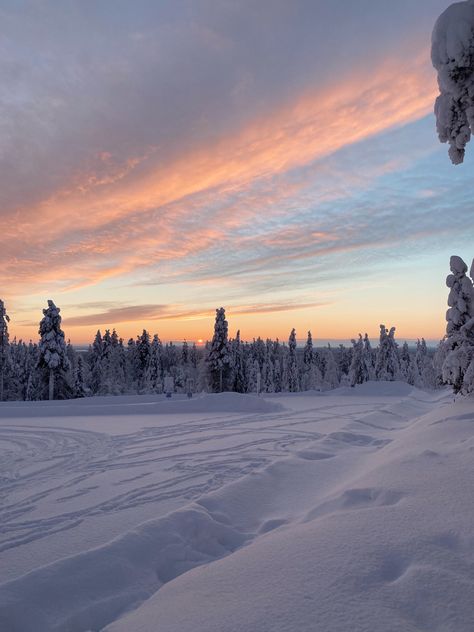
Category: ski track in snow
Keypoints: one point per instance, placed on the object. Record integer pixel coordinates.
(62, 460)
(50, 482)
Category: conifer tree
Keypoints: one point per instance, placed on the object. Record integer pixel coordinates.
(96, 359)
(4, 320)
(52, 346)
(238, 365)
(193, 356)
(457, 351)
(133, 365)
(154, 376)
(358, 373)
(185, 353)
(253, 371)
(344, 359)
(311, 378)
(293, 376)
(219, 358)
(277, 367)
(116, 365)
(32, 378)
(330, 372)
(369, 358)
(267, 376)
(405, 363)
(143, 351)
(387, 365)
(79, 385)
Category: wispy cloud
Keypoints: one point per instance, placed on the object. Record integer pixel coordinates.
(109, 226)
(243, 150)
(144, 313)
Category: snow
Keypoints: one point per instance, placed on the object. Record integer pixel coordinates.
(350, 509)
(452, 54)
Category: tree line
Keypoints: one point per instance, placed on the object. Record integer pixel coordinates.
(54, 369)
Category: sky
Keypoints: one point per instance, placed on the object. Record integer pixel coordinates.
(160, 159)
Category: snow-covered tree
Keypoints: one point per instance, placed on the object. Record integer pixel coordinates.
(194, 356)
(423, 368)
(219, 360)
(405, 360)
(343, 359)
(52, 347)
(267, 375)
(457, 349)
(111, 363)
(358, 372)
(185, 353)
(154, 376)
(277, 366)
(79, 384)
(292, 364)
(452, 54)
(143, 351)
(32, 391)
(238, 363)
(4, 320)
(369, 357)
(95, 358)
(311, 378)
(387, 365)
(16, 370)
(253, 372)
(330, 370)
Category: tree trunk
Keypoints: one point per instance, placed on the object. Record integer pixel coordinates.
(51, 384)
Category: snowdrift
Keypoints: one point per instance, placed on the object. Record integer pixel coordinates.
(361, 519)
(141, 405)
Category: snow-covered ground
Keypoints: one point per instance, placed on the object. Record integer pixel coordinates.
(350, 510)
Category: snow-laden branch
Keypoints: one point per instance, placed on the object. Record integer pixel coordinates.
(452, 54)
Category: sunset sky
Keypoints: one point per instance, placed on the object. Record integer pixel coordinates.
(160, 159)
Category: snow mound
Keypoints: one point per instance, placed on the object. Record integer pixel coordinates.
(89, 590)
(388, 548)
(142, 405)
(222, 403)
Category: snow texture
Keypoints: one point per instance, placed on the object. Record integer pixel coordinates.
(452, 54)
(346, 510)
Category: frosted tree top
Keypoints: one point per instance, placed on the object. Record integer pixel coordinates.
(452, 54)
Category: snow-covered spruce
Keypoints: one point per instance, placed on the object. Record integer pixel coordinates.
(293, 373)
(452, 54)
(358, 371)
(329, 366)
(4, 347)
(457, 349)
(219, 358)
(369, 357)
(311, 378)
(387, 365)
(52, 347)
(424, 371)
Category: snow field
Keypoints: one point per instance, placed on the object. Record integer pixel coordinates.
(349, 510)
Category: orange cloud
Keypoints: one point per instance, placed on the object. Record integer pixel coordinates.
(147, 313)
(137, 213)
